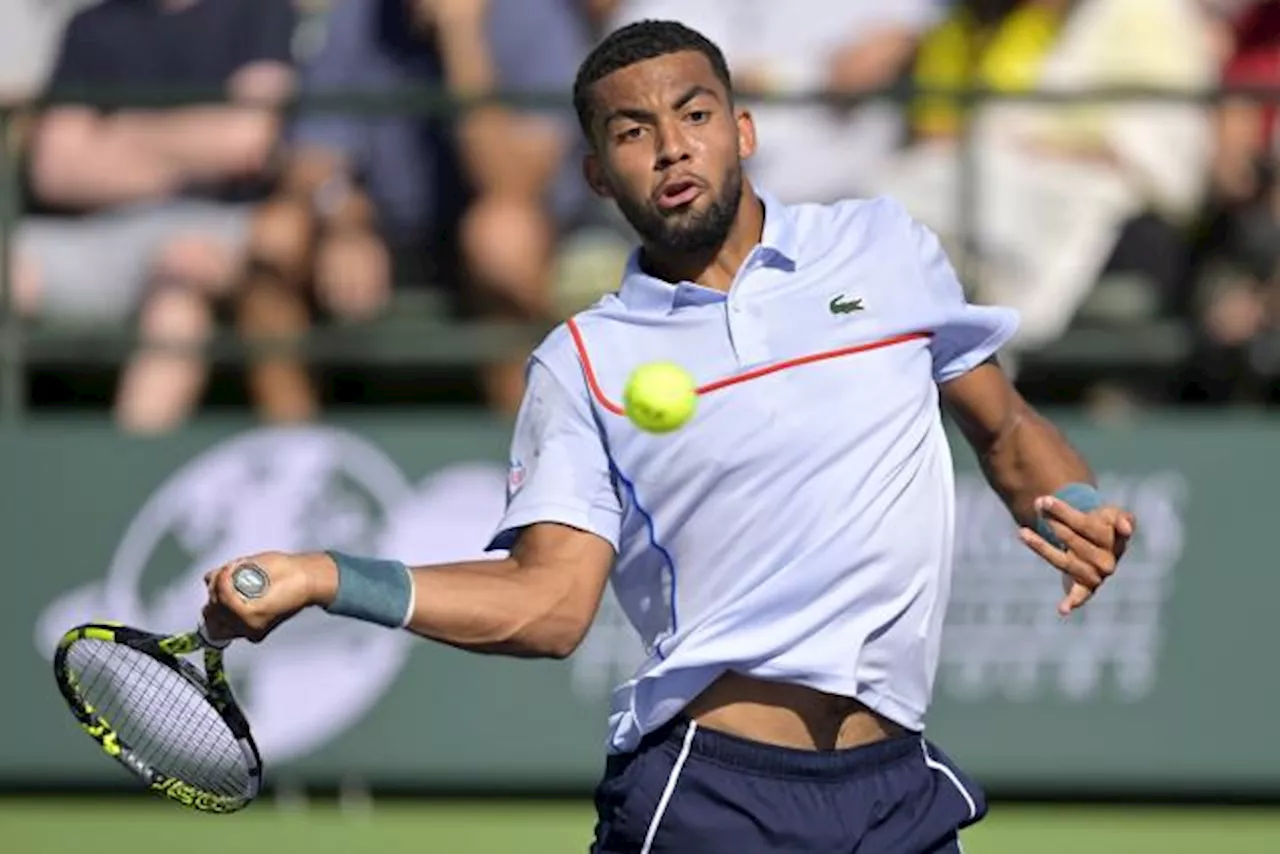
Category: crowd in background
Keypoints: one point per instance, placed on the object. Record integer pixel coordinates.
(273, 221)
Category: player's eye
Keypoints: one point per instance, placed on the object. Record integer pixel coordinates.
(630, 134)
(699, 116)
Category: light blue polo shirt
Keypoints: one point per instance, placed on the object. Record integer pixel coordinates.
(800, 527)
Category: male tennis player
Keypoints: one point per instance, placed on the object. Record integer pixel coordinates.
(787, 555)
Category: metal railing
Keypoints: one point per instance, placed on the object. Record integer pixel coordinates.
(471, 342)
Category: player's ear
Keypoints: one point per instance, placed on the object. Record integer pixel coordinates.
(746, 134)
(593, 172)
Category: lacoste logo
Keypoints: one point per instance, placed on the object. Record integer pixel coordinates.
(839, 306)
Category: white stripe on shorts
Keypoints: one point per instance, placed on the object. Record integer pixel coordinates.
(950, 775)
(672, 779)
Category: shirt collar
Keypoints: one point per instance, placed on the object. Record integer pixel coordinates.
(779, 247)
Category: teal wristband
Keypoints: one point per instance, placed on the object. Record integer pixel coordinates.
(373, 590)
(1081, 496)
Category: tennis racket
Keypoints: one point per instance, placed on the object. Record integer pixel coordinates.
(149, 707)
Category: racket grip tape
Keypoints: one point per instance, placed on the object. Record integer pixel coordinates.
(203, 632)
(373, 590)
(251, 582)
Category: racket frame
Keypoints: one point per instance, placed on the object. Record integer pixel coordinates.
(170, 651)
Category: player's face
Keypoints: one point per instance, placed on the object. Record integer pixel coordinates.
(668, 148)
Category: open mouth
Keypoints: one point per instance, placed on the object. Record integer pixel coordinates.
(678, 193)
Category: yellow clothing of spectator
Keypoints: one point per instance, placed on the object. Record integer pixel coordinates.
(963, 51)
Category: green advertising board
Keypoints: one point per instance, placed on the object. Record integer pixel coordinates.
(1162, 684)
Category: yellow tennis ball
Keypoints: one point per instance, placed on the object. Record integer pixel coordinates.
(660, 397)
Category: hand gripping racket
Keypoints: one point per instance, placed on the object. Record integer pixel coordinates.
(153, 710)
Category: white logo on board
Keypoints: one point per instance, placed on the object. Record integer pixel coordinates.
(1003, 637)
(292, 489)
(319, 487)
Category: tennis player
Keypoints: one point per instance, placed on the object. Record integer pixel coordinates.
(786, 556)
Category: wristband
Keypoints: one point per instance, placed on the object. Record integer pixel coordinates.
(1081, 496)
(373, 590)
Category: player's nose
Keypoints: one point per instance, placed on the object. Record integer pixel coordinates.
(672, 149)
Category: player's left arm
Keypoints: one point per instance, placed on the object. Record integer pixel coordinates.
(1046, 484)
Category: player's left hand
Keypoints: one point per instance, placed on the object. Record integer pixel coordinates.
(1094, 542)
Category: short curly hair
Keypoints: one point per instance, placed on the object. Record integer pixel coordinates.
(635, 43)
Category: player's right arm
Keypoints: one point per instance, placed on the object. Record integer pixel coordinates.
(560, 527)
(536, 603)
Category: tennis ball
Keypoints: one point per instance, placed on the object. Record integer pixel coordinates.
(660, 397)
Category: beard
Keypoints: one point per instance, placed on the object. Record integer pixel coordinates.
(686, 232)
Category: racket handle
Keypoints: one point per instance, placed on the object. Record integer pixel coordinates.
(208, 641)
(250, 580)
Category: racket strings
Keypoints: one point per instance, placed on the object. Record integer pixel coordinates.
(166, 720)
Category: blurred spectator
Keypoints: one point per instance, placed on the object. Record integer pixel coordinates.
(598, 13)
(146, 210)
(29, 33)
(1056, 185)
(809, 153)
(1236, 301)
(991, 44)
(475, 201)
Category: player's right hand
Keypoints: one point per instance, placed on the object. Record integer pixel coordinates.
(294, 581)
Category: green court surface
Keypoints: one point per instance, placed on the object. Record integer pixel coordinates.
(49, 826)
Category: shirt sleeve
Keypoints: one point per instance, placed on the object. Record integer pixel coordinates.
(559, 470)
(271, 39)
(77, 62)
(965, 335)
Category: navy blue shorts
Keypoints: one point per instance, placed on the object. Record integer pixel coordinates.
(696, 791)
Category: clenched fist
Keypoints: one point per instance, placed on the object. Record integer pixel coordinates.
(250, 604)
